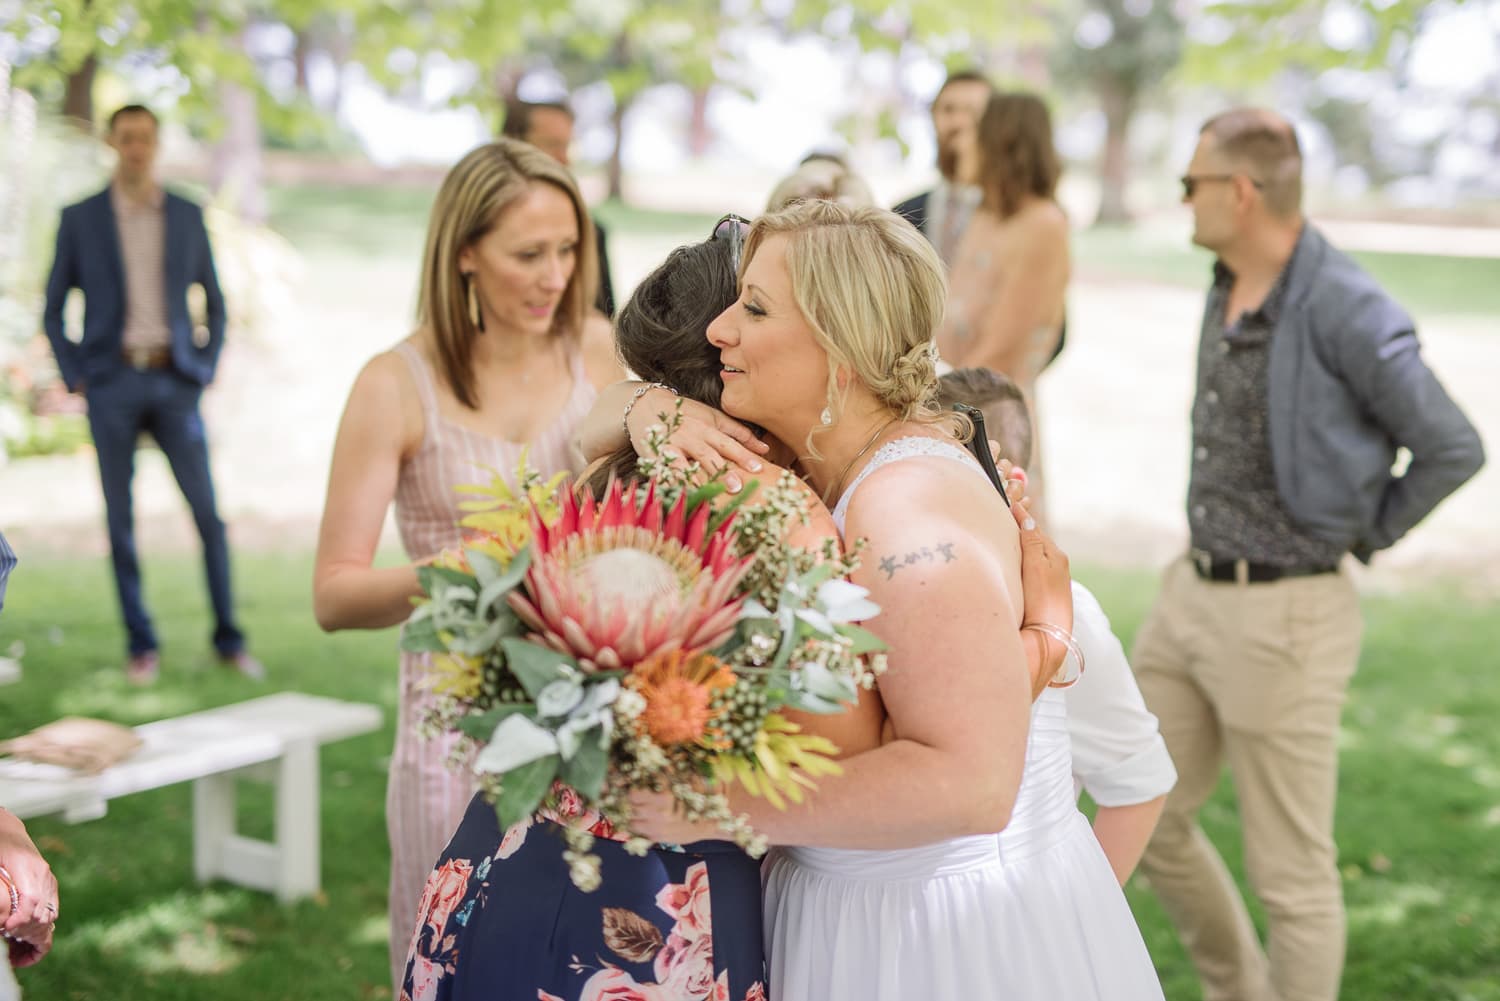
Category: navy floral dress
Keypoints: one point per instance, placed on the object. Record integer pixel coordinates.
(500, 920)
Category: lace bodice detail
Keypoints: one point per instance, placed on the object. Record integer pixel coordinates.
(908, 447)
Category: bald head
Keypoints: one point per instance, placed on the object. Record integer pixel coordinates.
(1263, 145)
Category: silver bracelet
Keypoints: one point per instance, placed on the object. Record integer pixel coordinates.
(1070, 644)
(635, 398)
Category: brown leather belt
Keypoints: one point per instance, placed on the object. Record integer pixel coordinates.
(144, 358)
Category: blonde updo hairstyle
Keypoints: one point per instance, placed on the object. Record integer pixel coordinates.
(872, 289)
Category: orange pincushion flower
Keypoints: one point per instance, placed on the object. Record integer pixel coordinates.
(679, 691)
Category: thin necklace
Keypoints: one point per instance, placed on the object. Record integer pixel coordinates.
(839, 483)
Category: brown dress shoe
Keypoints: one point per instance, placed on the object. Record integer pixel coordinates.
(244, 664)
(142, 668)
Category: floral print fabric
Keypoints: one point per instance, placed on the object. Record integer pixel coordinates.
(500, 919)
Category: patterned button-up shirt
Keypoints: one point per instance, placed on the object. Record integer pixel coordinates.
(142, 227)
(1234, 509)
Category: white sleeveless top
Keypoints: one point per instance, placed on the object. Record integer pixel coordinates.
(1031, 914)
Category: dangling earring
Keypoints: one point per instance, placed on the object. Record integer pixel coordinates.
(475, 316)
(826, 417)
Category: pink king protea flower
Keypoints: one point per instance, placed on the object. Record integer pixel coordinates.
(616, 584)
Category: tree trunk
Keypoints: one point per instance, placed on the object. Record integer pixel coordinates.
(616, 157)
(1119, 106)
(237, 168)
(699, 135)
(339, 46)
(619, 58)
(301, 49)
(78, 98)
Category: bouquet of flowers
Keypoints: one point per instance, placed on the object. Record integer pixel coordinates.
(649, 640)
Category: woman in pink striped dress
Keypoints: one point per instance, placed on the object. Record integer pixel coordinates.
(507, 355)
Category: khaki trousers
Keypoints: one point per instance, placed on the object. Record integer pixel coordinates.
(1252, 675)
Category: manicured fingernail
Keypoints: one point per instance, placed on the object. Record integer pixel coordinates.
(733, 483)
(1029, 524)
(754, 466)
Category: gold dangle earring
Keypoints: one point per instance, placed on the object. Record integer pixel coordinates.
(476, 317)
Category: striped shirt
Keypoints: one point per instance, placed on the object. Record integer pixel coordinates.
(142, 226)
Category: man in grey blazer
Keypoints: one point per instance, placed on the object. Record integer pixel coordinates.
(142, 361)
(1309, 379)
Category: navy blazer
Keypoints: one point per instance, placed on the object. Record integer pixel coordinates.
(89, 258)
(914, 210)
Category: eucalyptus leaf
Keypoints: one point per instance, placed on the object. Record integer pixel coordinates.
(517, 741)
(535, 667)
(482, 642)
(486, 568)
(421, 635)
(586, 769)
(818, 680)
(864, 640)
(507, 581)
(522, 789)
(434, 578)
(481, 726)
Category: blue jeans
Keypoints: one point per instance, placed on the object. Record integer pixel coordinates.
(165, 404)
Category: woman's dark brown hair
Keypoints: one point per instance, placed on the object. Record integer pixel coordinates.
(1017, 159)
(662, 333)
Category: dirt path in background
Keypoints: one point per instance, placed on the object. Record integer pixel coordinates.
(1114, 423)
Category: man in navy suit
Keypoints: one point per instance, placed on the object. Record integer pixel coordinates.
(142, 363)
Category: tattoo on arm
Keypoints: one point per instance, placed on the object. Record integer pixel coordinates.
(942, 552)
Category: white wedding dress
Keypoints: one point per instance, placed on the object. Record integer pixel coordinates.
(1031, 914)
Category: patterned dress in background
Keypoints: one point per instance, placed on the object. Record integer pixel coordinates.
(500, 919)
(425, 798)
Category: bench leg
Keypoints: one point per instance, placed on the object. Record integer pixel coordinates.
(290, 865)
(297, 822)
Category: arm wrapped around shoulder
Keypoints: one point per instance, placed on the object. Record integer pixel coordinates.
(1380, 359)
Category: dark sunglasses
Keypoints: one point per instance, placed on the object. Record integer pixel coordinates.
(732, 228)
(1190, 182)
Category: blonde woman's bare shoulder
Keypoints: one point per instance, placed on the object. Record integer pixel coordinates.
(819, 524)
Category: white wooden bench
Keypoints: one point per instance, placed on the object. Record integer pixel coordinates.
(273, 739)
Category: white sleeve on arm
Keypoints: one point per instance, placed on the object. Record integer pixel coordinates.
(1118, 753)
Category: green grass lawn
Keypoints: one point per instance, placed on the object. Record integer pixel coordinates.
(1419, 810)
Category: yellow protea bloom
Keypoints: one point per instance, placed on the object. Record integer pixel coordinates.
(457, 675)
(502, 516)
(786, 761)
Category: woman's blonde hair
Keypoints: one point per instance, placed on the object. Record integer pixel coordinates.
(872, 289)
(476, 191)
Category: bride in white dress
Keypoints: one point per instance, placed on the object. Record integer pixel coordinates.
(899, 888)
(1034, 912)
